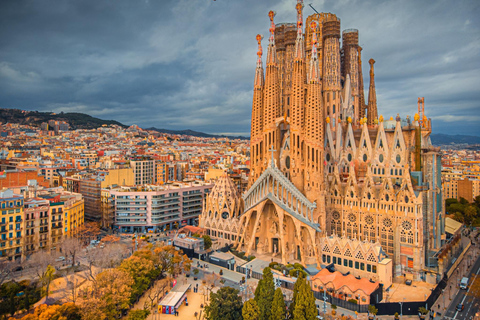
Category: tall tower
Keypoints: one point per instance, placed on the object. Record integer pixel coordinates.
(256, 148)
(271, 99)
(361, 98)
(372, 97)
(350, 66)
(331, 66)
(285, 35)
(314, 133)
(297, 109)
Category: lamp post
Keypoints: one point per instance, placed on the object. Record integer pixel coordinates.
(426, 306)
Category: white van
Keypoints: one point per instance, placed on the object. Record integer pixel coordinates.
(464, 283)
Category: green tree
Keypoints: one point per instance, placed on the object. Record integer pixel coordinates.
(138, 315)
(225, 304)
(142, 271)
(250, 310)
(305, 308)
(47, 278)
(207, 241)
(264, 294)
(278, 306)
(470, 214)
(476, 200)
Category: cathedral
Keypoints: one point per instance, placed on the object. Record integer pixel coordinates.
(324, 164)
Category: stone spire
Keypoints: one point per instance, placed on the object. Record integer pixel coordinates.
(299, 50)
(314, 70)
(259, 80)
(256, 151)
(272, 50)
(372, 97)
(361, 102)
(271, 100)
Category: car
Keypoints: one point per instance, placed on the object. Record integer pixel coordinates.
(460, 307)
(408, 282)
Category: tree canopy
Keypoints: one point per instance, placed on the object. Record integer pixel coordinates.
(225, 304)
(250, 310)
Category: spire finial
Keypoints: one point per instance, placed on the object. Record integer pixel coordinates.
(299, 52)
(271, 51)
(314, 74)
(259, 71)
(260, 50)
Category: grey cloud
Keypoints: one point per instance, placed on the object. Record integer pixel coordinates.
(190, 64)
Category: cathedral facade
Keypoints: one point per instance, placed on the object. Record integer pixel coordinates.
(325, 164)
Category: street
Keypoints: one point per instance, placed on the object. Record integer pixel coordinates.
(470, 300)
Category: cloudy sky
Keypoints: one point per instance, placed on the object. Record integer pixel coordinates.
(189, 64)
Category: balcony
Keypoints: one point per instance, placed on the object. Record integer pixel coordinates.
(3, 231)
(56, 226)
(44, 230)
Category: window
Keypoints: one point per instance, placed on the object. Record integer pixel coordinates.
(356, 265)
(369, 268)
(345, 262)
(350, 263)
(339, 260)
(328, 259)
(362, 266)
(374, 269)
(335, 260)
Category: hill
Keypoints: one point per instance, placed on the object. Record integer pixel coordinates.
(35, 118)
(189, 132)
(443, 139)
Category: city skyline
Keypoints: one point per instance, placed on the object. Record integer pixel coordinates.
(188, 65)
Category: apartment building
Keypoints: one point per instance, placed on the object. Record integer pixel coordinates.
(11, 225)
(41, 222)
(152, 208)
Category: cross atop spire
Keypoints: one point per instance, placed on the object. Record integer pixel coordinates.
(272, 151)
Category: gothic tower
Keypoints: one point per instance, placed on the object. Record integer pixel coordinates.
(297, 114)
(350, 67)
(331, 66)
(256, 154)
(271, 99)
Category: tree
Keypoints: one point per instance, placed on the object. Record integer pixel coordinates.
(171, 261)
(138, 315)
(212, 279)
(157, 292)
(305, 307)
(372, 310)
(250, 310)
(110, 296)
(264, 294)
(70, 248)
(278, 306)
(142, 272)
(207, 241)
(7, 268)
(47, 278)
(89, 231)
(225, 304)
(476, 200)
(67, 311)
(470, 214)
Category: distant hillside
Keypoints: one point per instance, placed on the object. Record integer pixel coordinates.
(442, 139)
(35, 118)
(189, 132)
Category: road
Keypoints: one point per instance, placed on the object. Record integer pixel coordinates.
(470, 297)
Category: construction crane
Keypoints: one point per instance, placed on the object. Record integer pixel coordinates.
(313, 8)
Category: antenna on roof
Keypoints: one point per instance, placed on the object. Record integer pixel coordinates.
(313, 8)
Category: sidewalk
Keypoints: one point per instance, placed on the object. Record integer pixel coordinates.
(451, 290)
